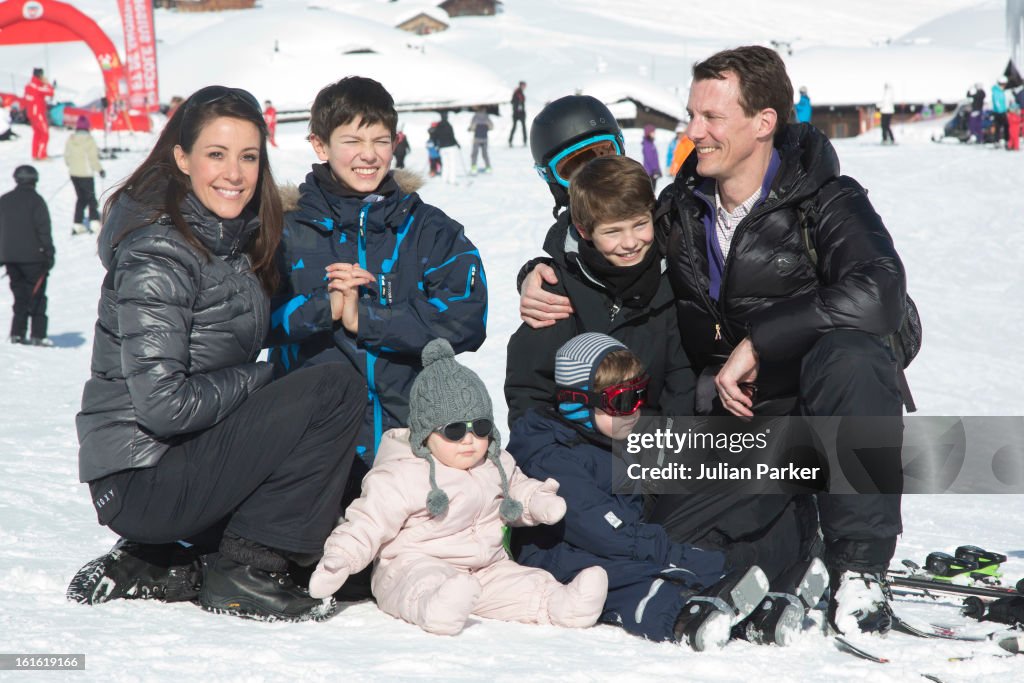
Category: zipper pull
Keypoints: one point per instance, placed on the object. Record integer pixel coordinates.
(614, 310)
(718, 332)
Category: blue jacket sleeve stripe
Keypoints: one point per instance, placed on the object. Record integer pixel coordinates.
(280, 317)
(469, 285)
(378, 413)
(473, 252)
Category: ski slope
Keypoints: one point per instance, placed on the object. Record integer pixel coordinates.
(954, 212)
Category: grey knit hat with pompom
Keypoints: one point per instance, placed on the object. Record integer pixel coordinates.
(446, 392)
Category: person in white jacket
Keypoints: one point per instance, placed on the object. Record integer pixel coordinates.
(5, 123)
(887, 107)
(433, 510)
(83, 159)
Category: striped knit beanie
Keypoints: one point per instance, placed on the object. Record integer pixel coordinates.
(576, 362)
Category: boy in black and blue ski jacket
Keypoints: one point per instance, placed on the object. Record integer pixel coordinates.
(361, 231)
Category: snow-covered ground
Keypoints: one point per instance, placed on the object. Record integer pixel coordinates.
(954, 212)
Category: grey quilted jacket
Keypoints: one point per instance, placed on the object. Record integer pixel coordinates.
(177, 337)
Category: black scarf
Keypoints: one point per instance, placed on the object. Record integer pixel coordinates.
(635, 285)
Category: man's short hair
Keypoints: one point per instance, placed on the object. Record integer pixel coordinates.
(764, 83)
(350, 98)
(608, 189)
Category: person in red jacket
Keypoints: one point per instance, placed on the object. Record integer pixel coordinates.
(270, 116)
(1013, 116)
(37, 92)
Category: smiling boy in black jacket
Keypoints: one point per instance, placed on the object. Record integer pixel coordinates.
(609, 266)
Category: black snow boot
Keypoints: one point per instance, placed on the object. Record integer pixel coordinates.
(708, 617)
(780, 616)
(246, 579)
(138, 571)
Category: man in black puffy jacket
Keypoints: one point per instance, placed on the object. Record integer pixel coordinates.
(774, 330)
(26, 248)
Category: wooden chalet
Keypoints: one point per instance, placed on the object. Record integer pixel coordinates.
(204, 5)
(422, 24)
(470, 8)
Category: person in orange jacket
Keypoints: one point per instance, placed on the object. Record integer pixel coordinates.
(680, 150)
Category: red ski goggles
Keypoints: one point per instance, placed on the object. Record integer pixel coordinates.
(617, 400)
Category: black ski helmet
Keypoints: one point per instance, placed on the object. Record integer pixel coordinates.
(568, 120)
(26, 175)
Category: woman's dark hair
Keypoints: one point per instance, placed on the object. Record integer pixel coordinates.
(160, 186)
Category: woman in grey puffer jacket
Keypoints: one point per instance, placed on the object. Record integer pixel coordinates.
(182, 435)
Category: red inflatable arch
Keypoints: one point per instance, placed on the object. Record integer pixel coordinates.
(49, 21)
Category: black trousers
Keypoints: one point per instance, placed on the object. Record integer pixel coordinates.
(275, 469)
(1002, 125)
(846, 373)
(85, 191)
(887, 128)
(854, 374)
(521, 120)
(28, 284)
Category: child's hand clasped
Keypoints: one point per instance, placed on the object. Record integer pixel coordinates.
(344, 281)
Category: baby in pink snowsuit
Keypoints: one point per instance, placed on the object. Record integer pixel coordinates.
(432, 512)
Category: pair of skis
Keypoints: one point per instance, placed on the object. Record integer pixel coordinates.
(970, 572)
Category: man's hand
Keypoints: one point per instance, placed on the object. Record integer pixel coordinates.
(735, 381)
(539, 308)
(344, 281)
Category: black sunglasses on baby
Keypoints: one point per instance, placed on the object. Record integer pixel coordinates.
(456, 431)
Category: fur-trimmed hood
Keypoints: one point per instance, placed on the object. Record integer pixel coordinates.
(407, 181)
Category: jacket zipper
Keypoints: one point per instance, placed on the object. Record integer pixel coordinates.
(757, 211)
(705, 297)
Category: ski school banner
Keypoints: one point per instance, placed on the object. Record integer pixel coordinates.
(140, 53)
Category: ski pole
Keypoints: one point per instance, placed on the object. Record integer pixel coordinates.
(57, 191)
(39, 283)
